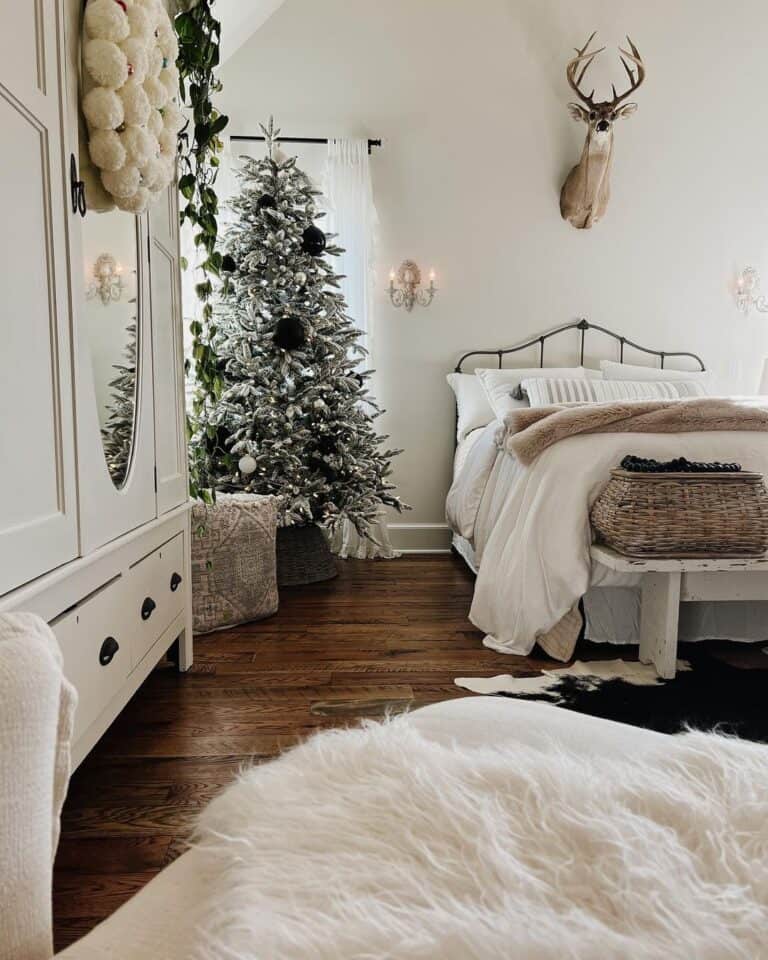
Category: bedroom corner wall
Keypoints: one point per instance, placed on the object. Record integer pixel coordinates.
(470, 100)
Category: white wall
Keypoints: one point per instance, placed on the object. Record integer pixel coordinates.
(470, 99)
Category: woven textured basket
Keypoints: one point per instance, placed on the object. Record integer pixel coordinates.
(303, 556)
(233, 561)
(683, 514)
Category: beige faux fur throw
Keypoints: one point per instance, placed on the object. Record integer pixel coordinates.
(530, 431)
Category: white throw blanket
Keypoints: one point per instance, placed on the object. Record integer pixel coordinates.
(378, 843)
(36, 712)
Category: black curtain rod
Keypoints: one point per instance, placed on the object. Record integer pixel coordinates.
(371, 143)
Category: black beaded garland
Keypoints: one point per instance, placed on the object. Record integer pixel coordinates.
(289, 333)
(313, 241)
(635, 464)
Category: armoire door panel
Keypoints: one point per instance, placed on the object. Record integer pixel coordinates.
(38, 512)
(28, 47)
(107, 509)
(168, 354)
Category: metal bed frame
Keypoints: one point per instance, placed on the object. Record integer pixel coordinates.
(582, 325)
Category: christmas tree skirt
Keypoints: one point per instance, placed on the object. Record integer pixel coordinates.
(303, 556)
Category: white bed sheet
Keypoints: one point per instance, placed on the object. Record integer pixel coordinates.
(527, 536)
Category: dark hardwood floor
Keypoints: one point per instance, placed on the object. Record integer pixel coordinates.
(389, 634)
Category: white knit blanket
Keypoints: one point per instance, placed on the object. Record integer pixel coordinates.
(37, 707)
(377, 843)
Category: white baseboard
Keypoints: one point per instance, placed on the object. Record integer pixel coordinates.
(420, 537)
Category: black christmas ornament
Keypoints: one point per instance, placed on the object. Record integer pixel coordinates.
(266, 202)
(228, 264)
(289, 333)
(327, 471)
(313, 241)
(327, 445)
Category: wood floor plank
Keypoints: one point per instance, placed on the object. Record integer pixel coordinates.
(383, 635)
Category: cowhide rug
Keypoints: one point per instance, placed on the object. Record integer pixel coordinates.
(708, 693)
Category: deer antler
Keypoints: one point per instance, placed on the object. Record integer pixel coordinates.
(573, 65)
(635, 77)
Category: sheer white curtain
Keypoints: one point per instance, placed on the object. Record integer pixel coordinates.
(352, 215)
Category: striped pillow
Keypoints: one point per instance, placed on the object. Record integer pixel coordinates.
(544, 392)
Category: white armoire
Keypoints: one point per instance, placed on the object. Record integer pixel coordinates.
(94, 513)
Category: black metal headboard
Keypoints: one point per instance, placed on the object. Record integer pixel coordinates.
(583, 326)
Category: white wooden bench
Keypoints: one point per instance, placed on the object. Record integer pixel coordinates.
(666, 584)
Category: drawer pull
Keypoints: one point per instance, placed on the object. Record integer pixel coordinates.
(147, 607)
(108, 650)
(175, 581)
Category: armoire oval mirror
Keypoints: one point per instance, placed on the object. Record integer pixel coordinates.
(111, 314)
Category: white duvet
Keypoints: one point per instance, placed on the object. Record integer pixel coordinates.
(529, 527)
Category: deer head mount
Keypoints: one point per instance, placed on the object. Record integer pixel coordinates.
(585, 193)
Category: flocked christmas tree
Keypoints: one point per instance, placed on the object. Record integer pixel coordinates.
(293, 416)
(117, 432)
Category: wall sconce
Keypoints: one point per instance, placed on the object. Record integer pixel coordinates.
(748, 292)
(108, 283)
(409, 280)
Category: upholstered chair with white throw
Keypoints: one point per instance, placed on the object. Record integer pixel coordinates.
(37, 707)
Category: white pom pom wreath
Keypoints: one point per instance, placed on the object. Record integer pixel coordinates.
(156, 92)
(136, 203)
(168, 141)
(131, 78)
(173, 119)
(105, 62)
(123, 182)
(140, 145)
(155, 123)
(139, 22)
(135, 104)
(107, 150)
(103, 109)
(154, 174)
(106, 20)
(135, 51)
(155, 62)
(170, 81)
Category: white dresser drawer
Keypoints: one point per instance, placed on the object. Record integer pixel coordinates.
(95, 642)
(157, 589)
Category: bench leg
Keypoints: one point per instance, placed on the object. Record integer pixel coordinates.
(659, 616)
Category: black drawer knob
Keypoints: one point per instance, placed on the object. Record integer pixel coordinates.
(108, 650)
(147, 607)
(175, 581)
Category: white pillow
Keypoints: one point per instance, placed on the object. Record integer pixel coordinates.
(543, 392)
(500, 384)
(627, 371)
(471, 403)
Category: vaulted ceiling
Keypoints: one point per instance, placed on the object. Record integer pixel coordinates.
(240, 19)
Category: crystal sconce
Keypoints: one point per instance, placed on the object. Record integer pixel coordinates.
(108, 283)
(748, 292)
(407, 292)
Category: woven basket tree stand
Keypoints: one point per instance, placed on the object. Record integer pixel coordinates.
(681, 515)
(303, 556)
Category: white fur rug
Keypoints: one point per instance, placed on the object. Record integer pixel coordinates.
(377, 843)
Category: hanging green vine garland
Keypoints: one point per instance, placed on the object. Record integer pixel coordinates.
(200, 143)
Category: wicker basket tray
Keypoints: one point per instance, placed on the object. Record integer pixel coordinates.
(683, 514)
